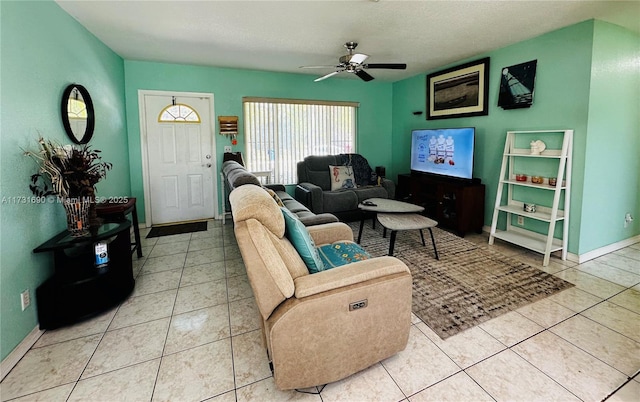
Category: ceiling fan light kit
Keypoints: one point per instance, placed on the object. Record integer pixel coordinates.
(353, 63)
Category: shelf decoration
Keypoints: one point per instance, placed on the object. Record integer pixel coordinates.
(70, 173)
(229, 127)
(537, 147)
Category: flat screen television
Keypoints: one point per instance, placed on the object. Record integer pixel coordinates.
(444, 151)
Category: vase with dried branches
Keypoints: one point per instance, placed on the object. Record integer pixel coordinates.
(70, 173)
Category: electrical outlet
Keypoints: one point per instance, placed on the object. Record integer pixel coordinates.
(227, 148)
(627, 219)
(520, 220)
(25, 299)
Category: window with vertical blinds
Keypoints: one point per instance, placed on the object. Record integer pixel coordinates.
(281, 132)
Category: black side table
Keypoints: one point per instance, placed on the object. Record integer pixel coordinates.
(112, 211)
(80, 288)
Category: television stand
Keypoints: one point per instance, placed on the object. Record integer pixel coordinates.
(456, 204)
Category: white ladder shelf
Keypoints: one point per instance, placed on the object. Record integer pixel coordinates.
(515, 150)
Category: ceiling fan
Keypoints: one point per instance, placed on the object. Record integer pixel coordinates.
(353, 63)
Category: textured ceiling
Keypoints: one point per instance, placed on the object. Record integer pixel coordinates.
(283, 35)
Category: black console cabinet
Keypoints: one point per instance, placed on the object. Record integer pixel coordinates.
(80, 288)
(456, 204)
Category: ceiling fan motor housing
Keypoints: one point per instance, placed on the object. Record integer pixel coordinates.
(345, 59)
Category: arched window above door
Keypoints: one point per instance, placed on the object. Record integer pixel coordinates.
(178, 113)
(77, 109)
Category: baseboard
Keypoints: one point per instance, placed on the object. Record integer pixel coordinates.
(19, 351)
(573, 257)
(599, 252)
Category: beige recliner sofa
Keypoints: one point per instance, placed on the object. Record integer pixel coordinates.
(322, 327)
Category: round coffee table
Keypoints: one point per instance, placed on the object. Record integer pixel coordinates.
(383, 205)
(386, 205)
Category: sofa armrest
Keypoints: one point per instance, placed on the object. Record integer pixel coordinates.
(317, 219)
(390, 186)
(276, 187)
(311, 196)
(330, 233)
(239, 177)
(349, 274)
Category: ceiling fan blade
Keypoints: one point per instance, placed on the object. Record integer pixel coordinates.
(324, 77)
(358, 58)
(392, 66)
(318, 66)
(364, 75)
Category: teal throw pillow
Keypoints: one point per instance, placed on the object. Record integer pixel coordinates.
(341, 253)
(299, 236)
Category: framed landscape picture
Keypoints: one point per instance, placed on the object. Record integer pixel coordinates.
(459, 91)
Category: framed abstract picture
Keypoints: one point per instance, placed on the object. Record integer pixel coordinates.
(516, 85)
(460, 91)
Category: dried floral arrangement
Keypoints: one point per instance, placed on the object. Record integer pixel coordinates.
(71, 171)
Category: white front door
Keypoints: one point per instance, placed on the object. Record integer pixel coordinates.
(180, 184)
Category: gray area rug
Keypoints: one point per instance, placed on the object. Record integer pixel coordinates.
(470, 284)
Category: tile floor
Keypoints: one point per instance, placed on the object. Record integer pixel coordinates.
(190, 332)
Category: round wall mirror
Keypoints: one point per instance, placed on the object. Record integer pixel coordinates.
(77, 113)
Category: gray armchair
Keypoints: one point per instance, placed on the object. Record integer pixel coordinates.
(314, 185)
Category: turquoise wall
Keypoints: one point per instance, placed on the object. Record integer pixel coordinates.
(230, 85)
(44, 50)
(563, 98)
(612, 171)
(587, 80)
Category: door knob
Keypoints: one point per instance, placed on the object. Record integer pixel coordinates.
(207, 165)
(207, 156)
